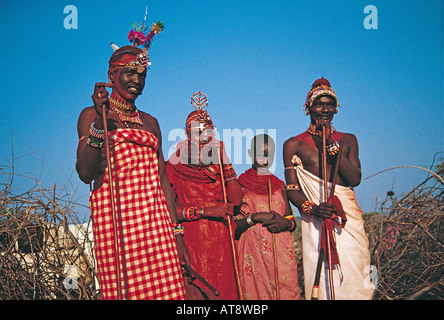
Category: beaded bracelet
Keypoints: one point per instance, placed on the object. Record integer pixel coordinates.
(229, 172)
(100, 134)
(192, 213)
(307, 206)
(178, 229)
(293, 187)
(293, 223)
(333, 149)
(94, 144)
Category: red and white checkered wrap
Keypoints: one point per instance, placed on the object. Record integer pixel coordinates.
(149, 262)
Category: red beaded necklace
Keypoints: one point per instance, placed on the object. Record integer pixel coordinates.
(118, 104)
(312, 130)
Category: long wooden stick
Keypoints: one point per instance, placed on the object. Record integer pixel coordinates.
(324, 164)
(230, 230)
(276, 270)
(113, 208)
(315, 291)
(324, 168)
(332, 192)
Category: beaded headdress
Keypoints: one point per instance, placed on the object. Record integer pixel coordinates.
(320, 87)
(136, 37)
(199, 102)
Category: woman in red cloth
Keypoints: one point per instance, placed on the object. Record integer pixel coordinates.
(257, 224)
(194, 173)
(149, 253)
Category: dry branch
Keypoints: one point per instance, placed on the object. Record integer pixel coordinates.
(40, 257)
(406, 243)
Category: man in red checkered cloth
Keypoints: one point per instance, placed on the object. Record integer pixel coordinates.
(150, 254)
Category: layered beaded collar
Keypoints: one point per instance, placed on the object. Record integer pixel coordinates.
(120, 103)
(119, 106)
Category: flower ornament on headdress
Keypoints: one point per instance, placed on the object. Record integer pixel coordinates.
(320, 87)
(200, 116)
(137, 37)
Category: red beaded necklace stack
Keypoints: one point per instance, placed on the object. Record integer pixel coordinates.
(119, 106)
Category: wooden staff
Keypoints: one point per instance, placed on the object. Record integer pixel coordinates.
(324, 163)
(113, 208)
(315, 291)
(332, 192)
(230, 229)
(324, 169)
(199, 277)
(276, 272)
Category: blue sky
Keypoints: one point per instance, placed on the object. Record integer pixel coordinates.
(254, 59)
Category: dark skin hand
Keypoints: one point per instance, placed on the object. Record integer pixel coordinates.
(307, 147)
(215, 211)
(274, 222)
(91, 162)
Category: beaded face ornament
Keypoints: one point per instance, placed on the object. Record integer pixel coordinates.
(199, 102)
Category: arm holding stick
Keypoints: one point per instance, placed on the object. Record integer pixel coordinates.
(89, 159)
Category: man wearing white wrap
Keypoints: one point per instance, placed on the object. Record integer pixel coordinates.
(305, 188)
